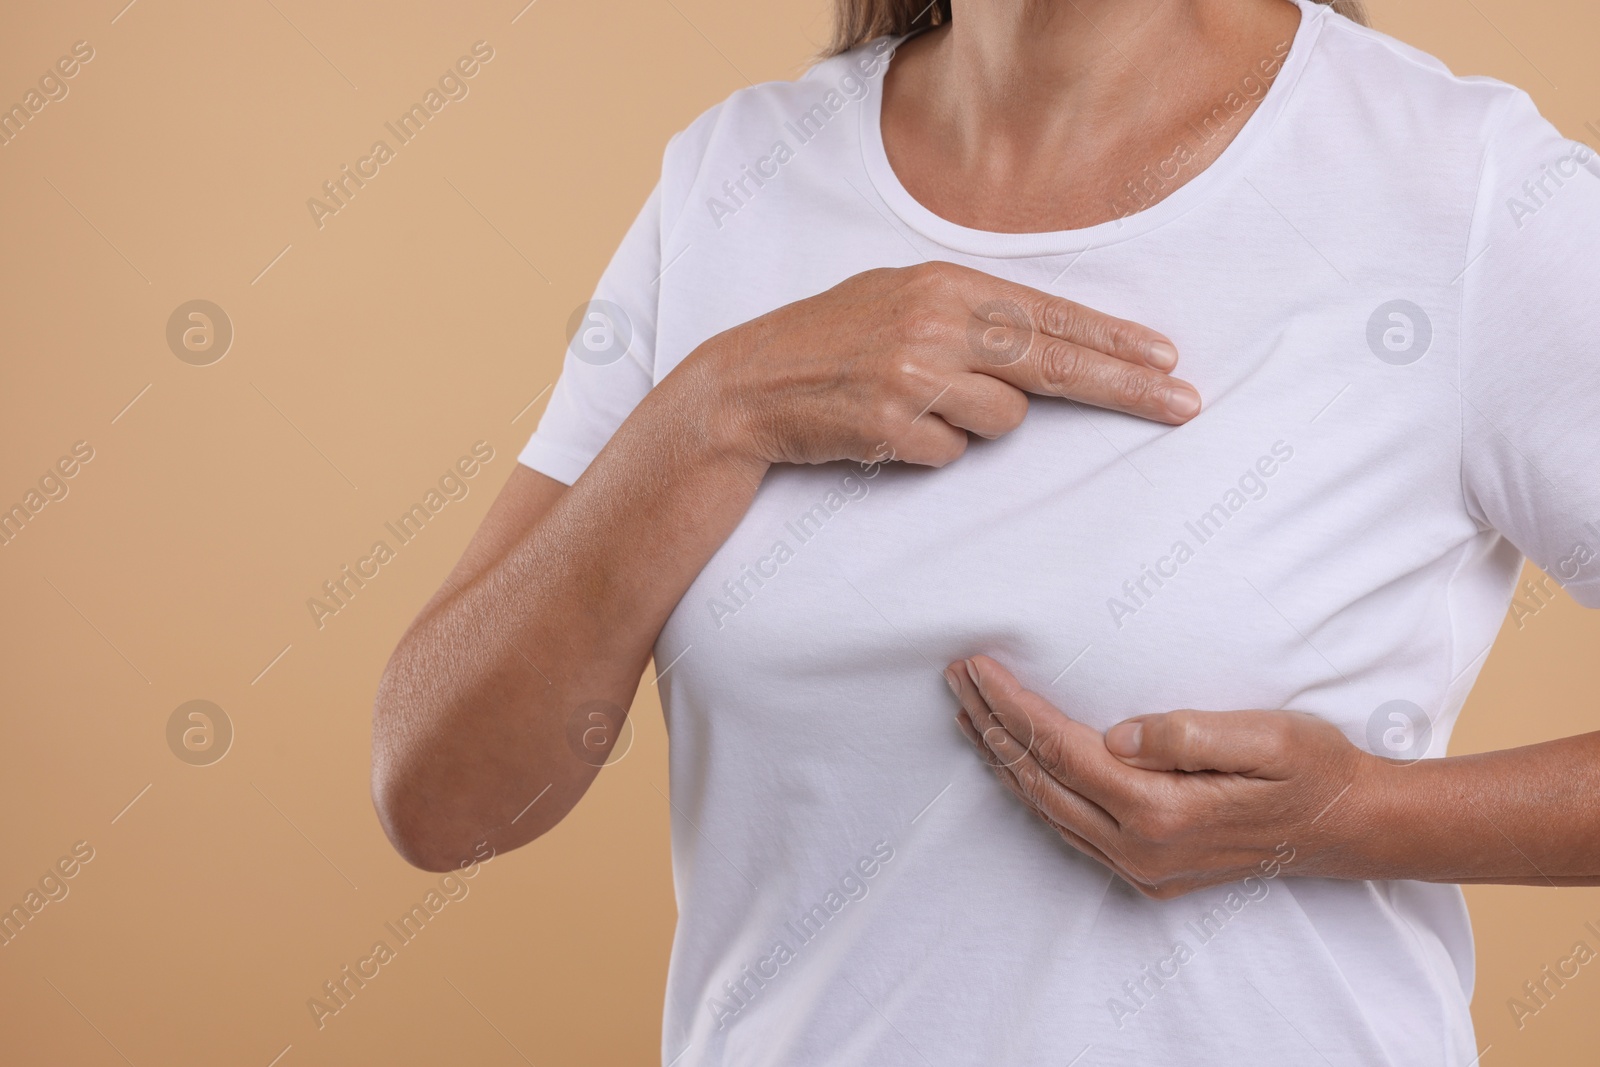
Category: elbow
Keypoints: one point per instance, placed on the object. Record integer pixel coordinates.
(421, 829)
(415, 836)
(413, 809)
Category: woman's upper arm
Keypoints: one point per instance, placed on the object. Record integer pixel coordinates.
(1530, 388)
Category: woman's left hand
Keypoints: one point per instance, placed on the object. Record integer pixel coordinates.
(1178, 801)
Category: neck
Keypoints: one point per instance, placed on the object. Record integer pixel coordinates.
(1013, 93)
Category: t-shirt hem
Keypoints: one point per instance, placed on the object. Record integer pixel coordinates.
(1585, 591)
(553, 460)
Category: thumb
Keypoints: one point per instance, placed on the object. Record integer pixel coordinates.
(1242, 742)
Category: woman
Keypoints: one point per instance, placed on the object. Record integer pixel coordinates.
(788, 457)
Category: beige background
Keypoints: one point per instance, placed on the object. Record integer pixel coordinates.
(428, 314)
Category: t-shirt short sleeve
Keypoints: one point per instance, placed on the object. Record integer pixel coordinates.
(1530, 363)
(609, 363)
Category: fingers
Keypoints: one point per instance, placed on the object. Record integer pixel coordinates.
(1049, 345)
(1011, 750)
(1052, 366)
(998, 302)
(987, 406)
(927, 440)
(1252, 743)
(1014, 787)
(1071, 752)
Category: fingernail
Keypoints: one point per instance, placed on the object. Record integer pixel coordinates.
(972, 670)
(950, 680)
(1161, 355)
(1183, 403)
(1123, 738)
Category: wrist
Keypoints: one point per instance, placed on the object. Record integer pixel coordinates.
(709, 412)
(713, 394)
(1355, 833)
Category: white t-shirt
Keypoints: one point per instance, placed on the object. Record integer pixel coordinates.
(1384, 289)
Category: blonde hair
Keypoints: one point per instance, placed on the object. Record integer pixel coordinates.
(855, 22)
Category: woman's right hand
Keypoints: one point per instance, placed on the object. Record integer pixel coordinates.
(901, 362)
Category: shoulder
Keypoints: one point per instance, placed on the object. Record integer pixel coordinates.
(1400, 132)
(751, 120)
(1396, 89)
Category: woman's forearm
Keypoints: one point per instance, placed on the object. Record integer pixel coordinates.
(1520, 816)
(476, 707)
